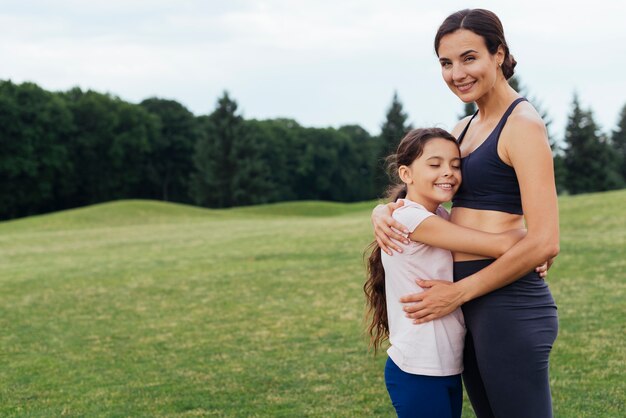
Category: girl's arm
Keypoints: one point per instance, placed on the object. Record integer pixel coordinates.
(385, 227)
(438, 232)
(528, 151)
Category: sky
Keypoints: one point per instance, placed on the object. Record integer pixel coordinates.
(320, 62)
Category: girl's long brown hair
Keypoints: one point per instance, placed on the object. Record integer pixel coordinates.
(410, 148)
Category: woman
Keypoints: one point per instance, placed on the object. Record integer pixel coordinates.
(508, 178)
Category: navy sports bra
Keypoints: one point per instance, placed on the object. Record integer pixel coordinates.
(488, 182)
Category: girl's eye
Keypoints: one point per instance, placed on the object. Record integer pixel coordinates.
(434, 165)
(456, 167)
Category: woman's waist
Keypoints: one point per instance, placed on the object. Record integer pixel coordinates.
(494, 222)
(486, 220)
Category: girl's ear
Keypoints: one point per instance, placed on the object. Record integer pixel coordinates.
(405, 174)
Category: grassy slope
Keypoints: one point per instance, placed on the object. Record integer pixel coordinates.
(147, 308)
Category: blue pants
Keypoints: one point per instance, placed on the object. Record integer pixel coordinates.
(510, 333)
(422, 396)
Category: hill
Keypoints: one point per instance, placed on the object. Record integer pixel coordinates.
(141, 308)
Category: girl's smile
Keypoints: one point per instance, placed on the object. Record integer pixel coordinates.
(434, 176)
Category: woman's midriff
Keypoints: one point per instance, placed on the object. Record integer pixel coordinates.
(483, 220)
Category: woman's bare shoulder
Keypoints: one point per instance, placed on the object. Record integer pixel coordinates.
(525, 122)
(525, 114)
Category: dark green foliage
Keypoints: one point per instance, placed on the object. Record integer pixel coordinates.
(365, 149)
(110, 146)
(229, 170)
(172, 149)
(281, 149)
(35, 171)
(591, 164)
(392, 131)
(249, 162)
(394, 127)
(618, 142)
(69, 149)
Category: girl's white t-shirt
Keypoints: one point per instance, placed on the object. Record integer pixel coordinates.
(436, 347)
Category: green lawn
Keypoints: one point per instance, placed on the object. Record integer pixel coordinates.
(150, 309)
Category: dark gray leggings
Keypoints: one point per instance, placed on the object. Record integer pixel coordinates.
(510, 333)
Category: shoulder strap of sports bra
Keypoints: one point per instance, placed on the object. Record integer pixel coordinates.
(505, 117)
(510, 109)
(500, 123)
(466, 127)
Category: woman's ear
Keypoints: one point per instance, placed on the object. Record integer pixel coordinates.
(405, 174)
(500, 54)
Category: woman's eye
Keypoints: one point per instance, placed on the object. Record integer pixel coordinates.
(456, 167)
(446, 64)
(469, 58)
(434, 165)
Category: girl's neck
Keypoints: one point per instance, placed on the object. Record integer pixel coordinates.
(493, 103)
(430, 205)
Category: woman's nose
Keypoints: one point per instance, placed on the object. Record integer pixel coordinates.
(457, 73)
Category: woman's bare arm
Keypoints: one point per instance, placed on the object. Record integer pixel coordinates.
(384, 226)
(438, 232)
(528, 150)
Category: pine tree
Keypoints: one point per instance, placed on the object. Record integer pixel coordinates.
(231, 167)
(395, 126)
(618, 142)
(392, 131)
(589, 160)
(212, 182)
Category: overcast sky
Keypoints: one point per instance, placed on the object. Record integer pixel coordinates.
(321, 62)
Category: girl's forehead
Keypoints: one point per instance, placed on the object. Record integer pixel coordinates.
(441, 146)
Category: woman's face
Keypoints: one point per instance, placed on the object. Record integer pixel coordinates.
(468, 68)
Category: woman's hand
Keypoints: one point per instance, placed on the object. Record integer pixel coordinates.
(384, 226)
(439, 298)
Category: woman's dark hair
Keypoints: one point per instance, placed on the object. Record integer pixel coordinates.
(410, 148)
(484, 23)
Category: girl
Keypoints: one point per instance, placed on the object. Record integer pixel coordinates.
(425, 361)
(507, 164)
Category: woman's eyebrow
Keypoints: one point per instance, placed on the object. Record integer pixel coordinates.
(469, 51)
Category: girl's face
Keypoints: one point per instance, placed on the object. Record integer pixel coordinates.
(435, 176)
(468, 68)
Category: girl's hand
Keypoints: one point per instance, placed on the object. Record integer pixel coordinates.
(384, 226)
(439, 298)
(543, 269)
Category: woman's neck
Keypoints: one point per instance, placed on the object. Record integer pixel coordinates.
(493, 103)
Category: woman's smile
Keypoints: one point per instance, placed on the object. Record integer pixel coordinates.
(465, 87)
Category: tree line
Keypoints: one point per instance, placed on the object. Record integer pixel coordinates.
(67, 149)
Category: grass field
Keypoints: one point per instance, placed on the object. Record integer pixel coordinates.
(150, 309)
